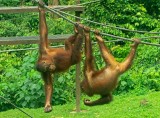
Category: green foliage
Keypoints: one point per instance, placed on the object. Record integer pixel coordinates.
(144, 74)
(121, 13)
(23, 85)
(133, 15)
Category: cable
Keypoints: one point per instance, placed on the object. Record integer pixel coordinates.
(119, 28)
(110, 35)
(16, 106)
(54, 11)
(105, 34)
(142, 42)
(107, 25)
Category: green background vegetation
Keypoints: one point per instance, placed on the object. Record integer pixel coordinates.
(22, 84)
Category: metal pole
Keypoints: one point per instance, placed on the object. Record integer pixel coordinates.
(22, 3)
(78, 72)
(77, 1)
(55, 3)
(78, 90)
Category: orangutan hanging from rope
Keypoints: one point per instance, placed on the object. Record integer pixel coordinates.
(104, 81)
(53, 60)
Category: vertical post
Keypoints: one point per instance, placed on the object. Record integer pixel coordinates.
(22, 3)
(53, 3)
(77, 1)
(50, 2)
(78, 72)
(78, 90)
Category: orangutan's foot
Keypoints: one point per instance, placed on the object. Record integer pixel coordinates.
(47, 108)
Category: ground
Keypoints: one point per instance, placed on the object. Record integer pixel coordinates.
(123, 106)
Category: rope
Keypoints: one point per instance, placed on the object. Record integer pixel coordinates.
(110, 35)
(97, 23)
(107, 25)
(54, 11)
(142, 42)
(16, 106)
(105, 34)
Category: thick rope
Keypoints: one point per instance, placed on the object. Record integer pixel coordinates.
(57, 13)
(105, 34)
(142, 42)
(110, 35)
(105, 25)
(16, 106)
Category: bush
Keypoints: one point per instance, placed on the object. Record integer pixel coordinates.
(23, 85)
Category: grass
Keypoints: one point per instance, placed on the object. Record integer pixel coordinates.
(128, 106)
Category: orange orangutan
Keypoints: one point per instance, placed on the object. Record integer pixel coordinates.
(104, 81)
(53, 60)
